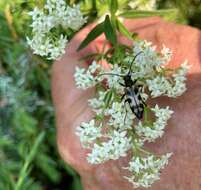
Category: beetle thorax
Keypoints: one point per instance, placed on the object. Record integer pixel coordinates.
(128, 81)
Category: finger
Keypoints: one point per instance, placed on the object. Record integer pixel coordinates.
(64, 69)
(70, 106)
(64, 91)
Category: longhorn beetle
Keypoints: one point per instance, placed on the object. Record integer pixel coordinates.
(131, 92)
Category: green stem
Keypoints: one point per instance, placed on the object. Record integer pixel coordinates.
(29, 159)
(144, 151)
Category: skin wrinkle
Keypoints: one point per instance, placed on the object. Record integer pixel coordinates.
(109, 181)
(182, 135)
(90, 182)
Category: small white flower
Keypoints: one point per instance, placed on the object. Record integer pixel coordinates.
(93, 67)
(40, 44)
(160, 85)
(58, 48)
(179, 78)
(121, 116)
(88, 132)
(167, 54)
(46, 46)
(116, 147)
(74, 18)
(146, 170)
(154, 131)
(114, 80)
(149, 57)
(98, 104)
(146, 61)
(84, 78)
(41, 22)
(54, 6)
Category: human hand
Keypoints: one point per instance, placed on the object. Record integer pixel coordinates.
(184, 128)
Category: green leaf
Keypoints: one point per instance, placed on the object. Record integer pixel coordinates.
(124, 30)
(99, 117)
(113, 6)
(108, 97)
(25, 170)
(77, 184)
(110, 33)
(89, 56)
(48, 166)
(95, 32)
(141, 13)
(70, 170)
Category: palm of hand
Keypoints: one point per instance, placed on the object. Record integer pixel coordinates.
(182, 134)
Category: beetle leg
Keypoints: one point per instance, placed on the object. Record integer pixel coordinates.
(127, 100)
(134, 82)
(140, 87)
(123, 97)
(143, 102)
(122, 84)
(125, 116)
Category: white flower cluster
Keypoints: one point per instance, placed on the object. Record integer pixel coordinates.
(118, 130)
(146, 170)
(88, 132)
(97, 104)
(55, 13)
(114, 80)
(44, 45)
(155, 130)
(121, 117)
(85, 78)
(116, 147)
(67, 17)
(161, 85)
(148, 59)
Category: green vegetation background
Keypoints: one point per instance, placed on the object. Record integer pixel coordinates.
(28, 154)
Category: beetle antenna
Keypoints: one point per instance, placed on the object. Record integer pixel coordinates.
(133, 61)
(111, 74)
(129, 68)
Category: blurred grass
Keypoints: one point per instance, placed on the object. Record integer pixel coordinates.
(28, 154)
(189, 10)
(26, 111)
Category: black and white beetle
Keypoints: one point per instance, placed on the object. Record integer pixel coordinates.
(132, 92)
